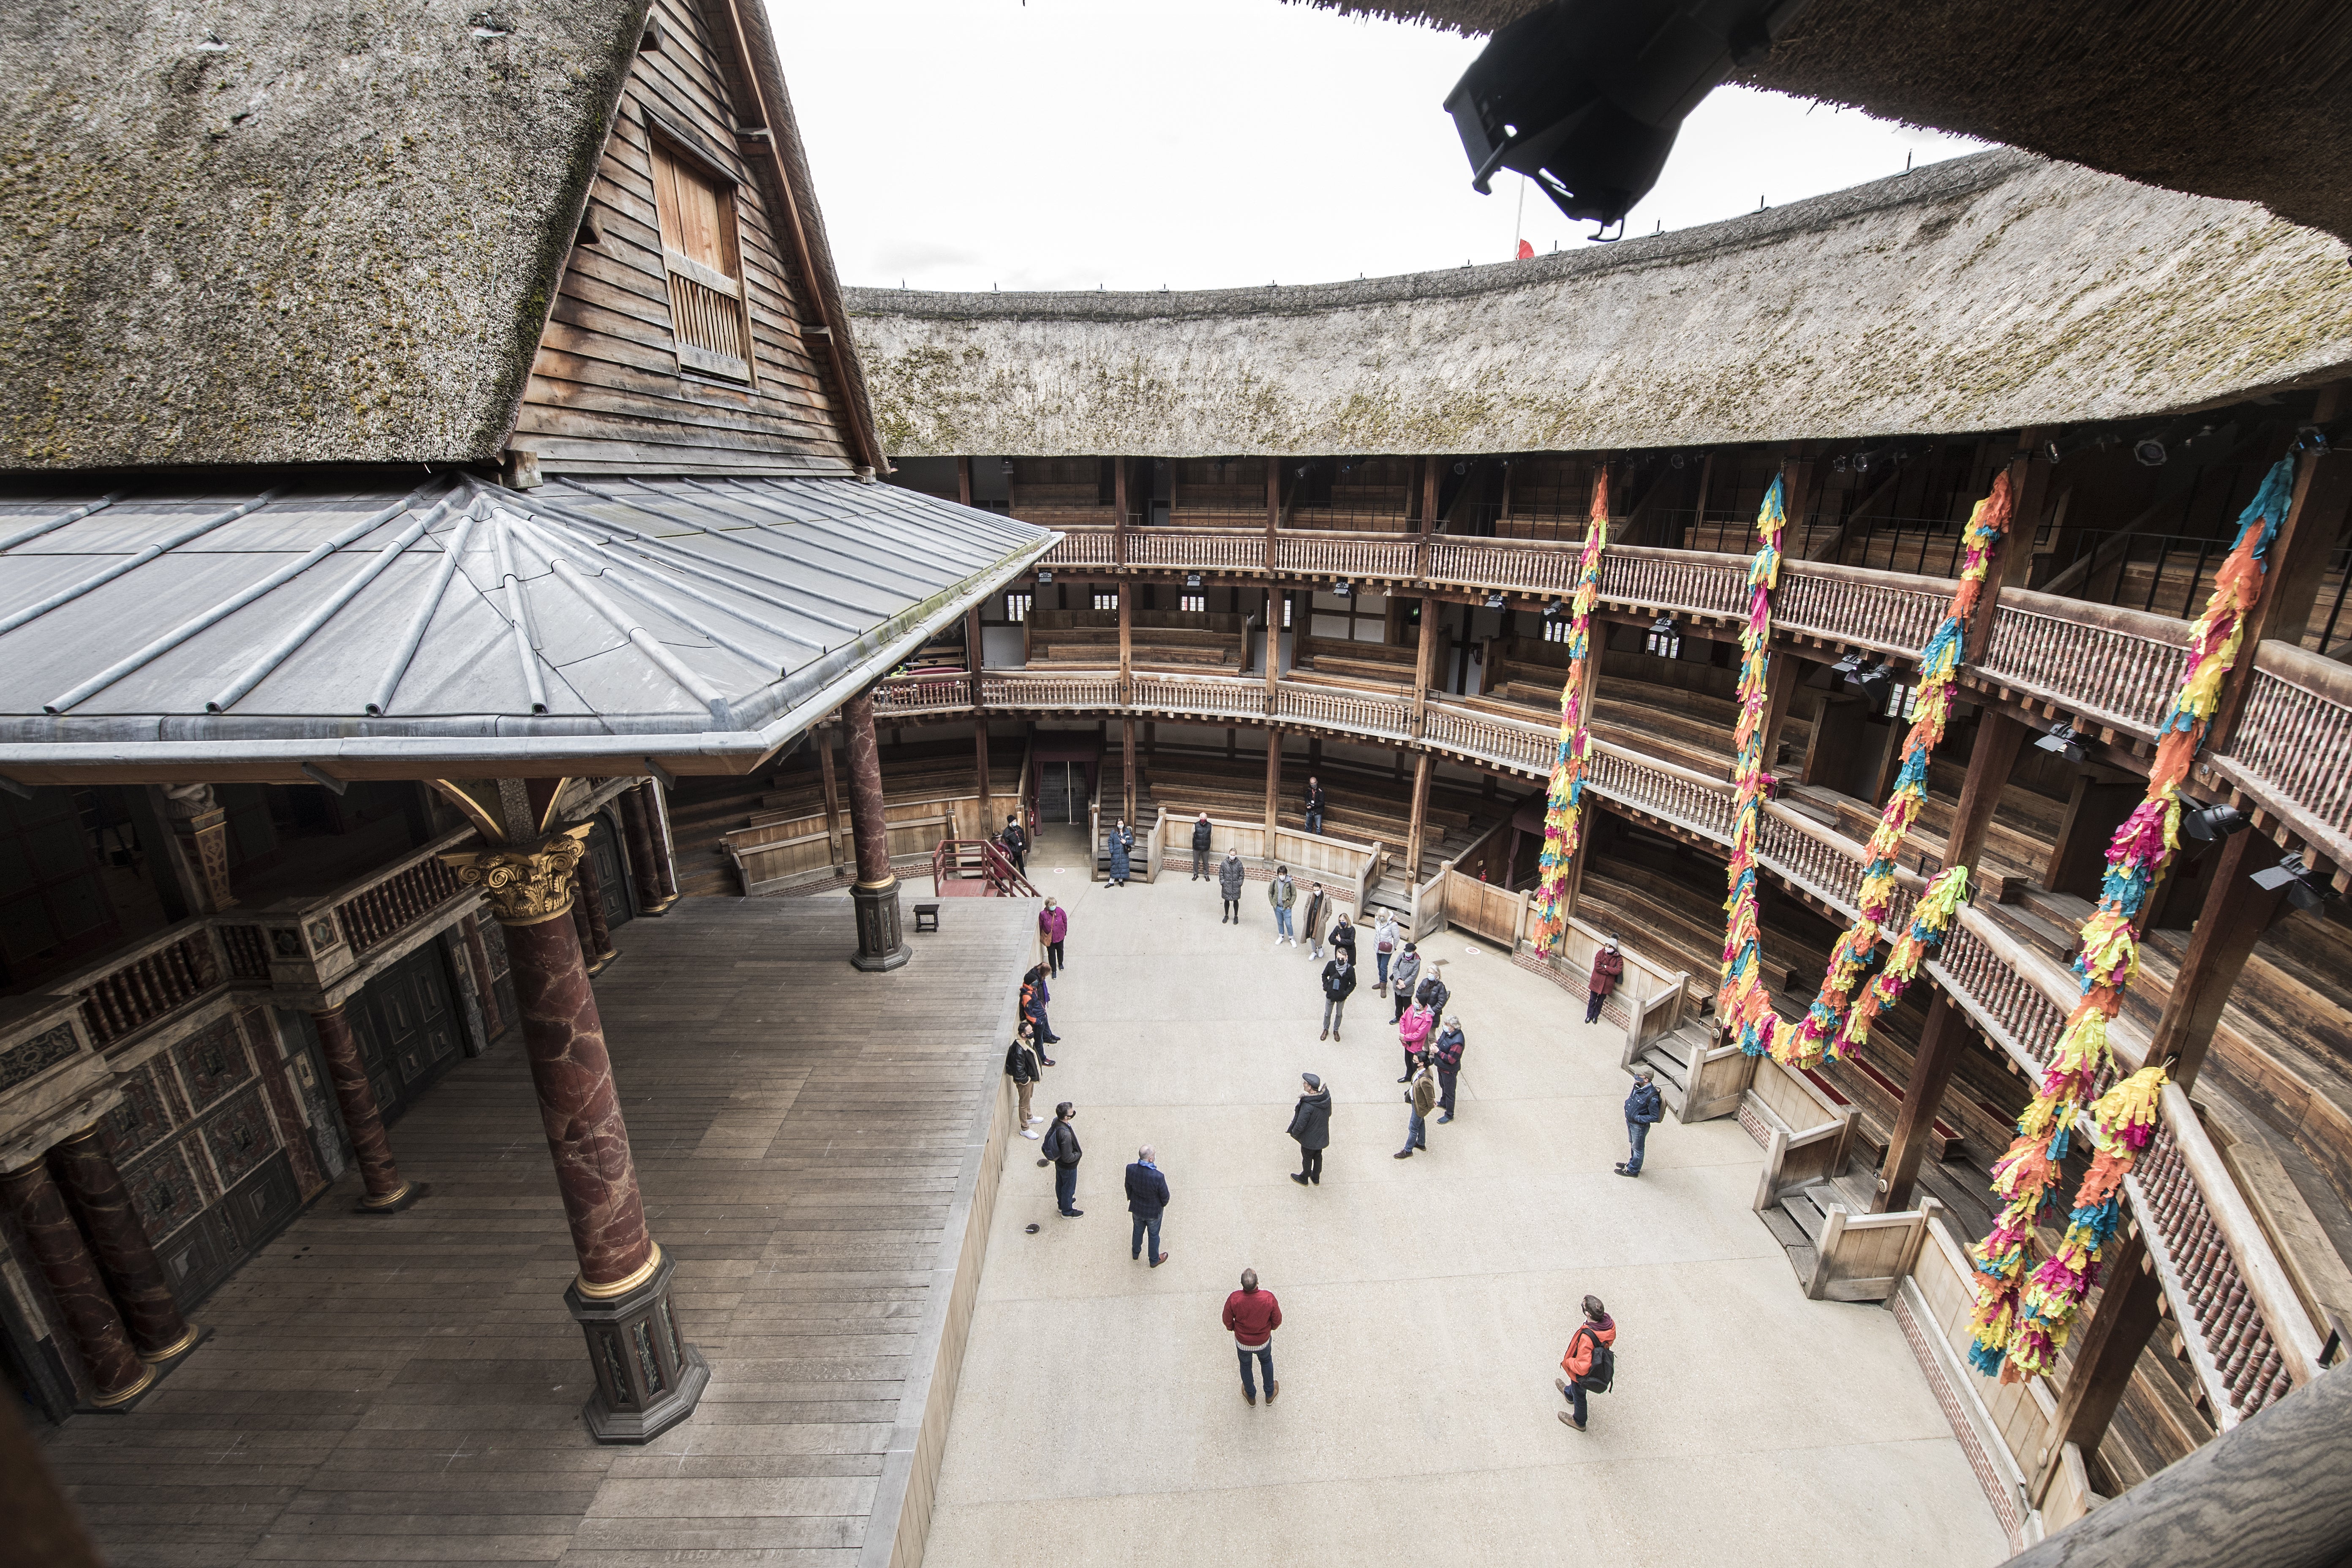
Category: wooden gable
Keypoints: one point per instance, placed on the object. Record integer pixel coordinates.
(684, 339)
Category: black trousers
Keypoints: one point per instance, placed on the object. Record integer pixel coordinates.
(1445, 1077)
(1233, 911)
(1054, 957)
(1310, 1166)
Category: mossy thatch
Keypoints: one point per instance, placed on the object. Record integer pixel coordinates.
(274, 231)
(1982, 294)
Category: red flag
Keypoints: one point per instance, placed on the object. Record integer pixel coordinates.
(1526, 251)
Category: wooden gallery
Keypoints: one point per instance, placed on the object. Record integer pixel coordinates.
(392, 611)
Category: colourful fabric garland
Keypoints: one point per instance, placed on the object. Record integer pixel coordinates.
(1564, 800)
(2021, 1323)
(1743, 1005)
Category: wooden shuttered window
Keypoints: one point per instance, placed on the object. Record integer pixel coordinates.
(702, 258)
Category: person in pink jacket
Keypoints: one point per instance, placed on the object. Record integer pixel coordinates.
(1053, 925)
(1413, 1029)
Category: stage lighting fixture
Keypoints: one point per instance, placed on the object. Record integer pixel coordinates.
(1585, 97)
(1192, 579)
(1045, 576)
(2213, 823)
(1343, 588)
(2062, 740)
(1664, 640)
(2304, 888)
(2149, 451)
(1556, 609)
(1871, 681)
(1497, 602)
(1676, 462)
(1462, 468)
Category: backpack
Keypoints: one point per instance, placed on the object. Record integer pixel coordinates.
(1604, 1369)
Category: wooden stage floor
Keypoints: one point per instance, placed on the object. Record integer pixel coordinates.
(407, 1389)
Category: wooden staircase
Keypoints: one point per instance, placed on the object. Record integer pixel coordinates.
(977, 868)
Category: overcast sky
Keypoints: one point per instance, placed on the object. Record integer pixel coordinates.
(1203, 144)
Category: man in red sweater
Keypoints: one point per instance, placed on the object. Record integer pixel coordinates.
(1253, 1315)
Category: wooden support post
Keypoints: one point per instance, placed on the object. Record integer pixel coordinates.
(1415, 828)
(1941, 1045)
(1127, 749)
(2107, 1347)
(980, 774)
(1273, 641)
(831, 801)
(1273, 787)
(2094, 809)
(1425, 664)
(2235, 914)
(1118, 511)
(1699, 507)
(1272, 527)
(972, 648)
(1783, 673)
(1432, 478)
(1832, 752)
(2012, 554)
(1125, 637)
(1999, 737)
(963, 481)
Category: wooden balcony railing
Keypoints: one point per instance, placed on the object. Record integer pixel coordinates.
(1890, 611)
(1526, 568)
(394, 896)
(1689, 582)
(1390, 717)
(1050, 691)
(172, 969)
(1688, 799)
(2292, 748)
(1529, 747)
(1990, 977)
(1198, 549)
(1341, 555)
(2118, 667)
(923, 694)
(2246, 1332)
(1217, 696)
(1083, 547)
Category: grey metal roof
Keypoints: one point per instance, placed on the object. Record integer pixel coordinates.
(385, 631)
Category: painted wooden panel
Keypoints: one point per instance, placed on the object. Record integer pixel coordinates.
(676, 344)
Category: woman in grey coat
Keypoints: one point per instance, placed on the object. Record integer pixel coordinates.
(1403, 974)
(1310, 1123)
(1229, 886)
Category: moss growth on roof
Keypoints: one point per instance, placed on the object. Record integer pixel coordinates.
(270, 232)
(1987, 293)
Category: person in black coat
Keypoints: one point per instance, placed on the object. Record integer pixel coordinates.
(1201, 848)
(1310, 1123)
(1343, 937)
(1445, 1050)
(1338, 983)
(1027, 1071)
(1061, 1147)
(1433, 993)
(1314, 804)
(1147, 1197)
(1016, 845)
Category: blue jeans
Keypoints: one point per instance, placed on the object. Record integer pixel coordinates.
(1314, 822)
(1637, 1133)
(1576, 1400)
(1281, 920)
(1264, 1354)
(1416, 1131)
(1142, 1224)
(1384, 958)
(1065, 1186)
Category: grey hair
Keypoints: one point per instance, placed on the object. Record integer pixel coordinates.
(1249, 1279)
(1643, 1076)
(1144, 1153)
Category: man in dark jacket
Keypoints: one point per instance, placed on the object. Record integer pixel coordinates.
(1061, 1147)
(1644, 1109)
(1016, 845)
(1147, 1198)
(1230, 875)
(1446, 1051)
(1404, 975)
(1022, 1066)
(1608, 968)
(1433, 993)
(1310, 1123)
(1338, 982)
(1201, 848)
(1314, 804)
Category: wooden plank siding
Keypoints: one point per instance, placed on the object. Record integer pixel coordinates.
(606, 391)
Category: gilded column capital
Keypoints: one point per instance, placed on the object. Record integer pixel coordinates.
(524, 883)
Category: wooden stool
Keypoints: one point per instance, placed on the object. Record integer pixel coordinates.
(927, 917)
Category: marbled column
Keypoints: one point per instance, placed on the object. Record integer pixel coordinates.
(115, 1369)
(595, 936)
(355, 1098)
(94, 1188)
(869, 824)
(645, 869)
(577, 1103)
(881, 943)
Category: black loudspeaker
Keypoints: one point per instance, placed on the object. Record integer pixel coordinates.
(1586, 97)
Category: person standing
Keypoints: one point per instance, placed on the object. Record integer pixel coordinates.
(1201, 848)
(1282, 893)
(1016, 844)
(1343, 934)
(1584, 1347)
(1147, 1199)
(1061, 1147)
(1433, 993)
(1608, 968)
(1033, 998)
(1644, 1109)
(1310, 1124)
(1230, 876)
(1022, 1066)
(1314, 804)
(1339, 984)
(1053, 925)
(1413, 1032)
(1403, 976)
(1122, 849)
(1420, 1098)
(1445, 1052)
(1252, 1315)
(1384, 946)
(1319, 907)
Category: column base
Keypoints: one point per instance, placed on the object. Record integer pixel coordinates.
(407, 1198)
(647, 1380)
(603, 961)
(881, 943)
(124, 1402)
(658, 907)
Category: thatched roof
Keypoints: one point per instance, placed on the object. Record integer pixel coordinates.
(2243, 101)
(281, 232)
(1981, 294)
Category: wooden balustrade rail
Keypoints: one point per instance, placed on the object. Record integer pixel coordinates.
(1339, 555)
(1987, 974)
(1694, 581)
(1893, 612)
(398, 895)
(1198, 549)
(2290, 748)
(2119, 667)
(143, 986)
(1685, 798)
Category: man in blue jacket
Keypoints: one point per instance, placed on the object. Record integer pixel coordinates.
(1644, 1109)
(1147, 1196)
